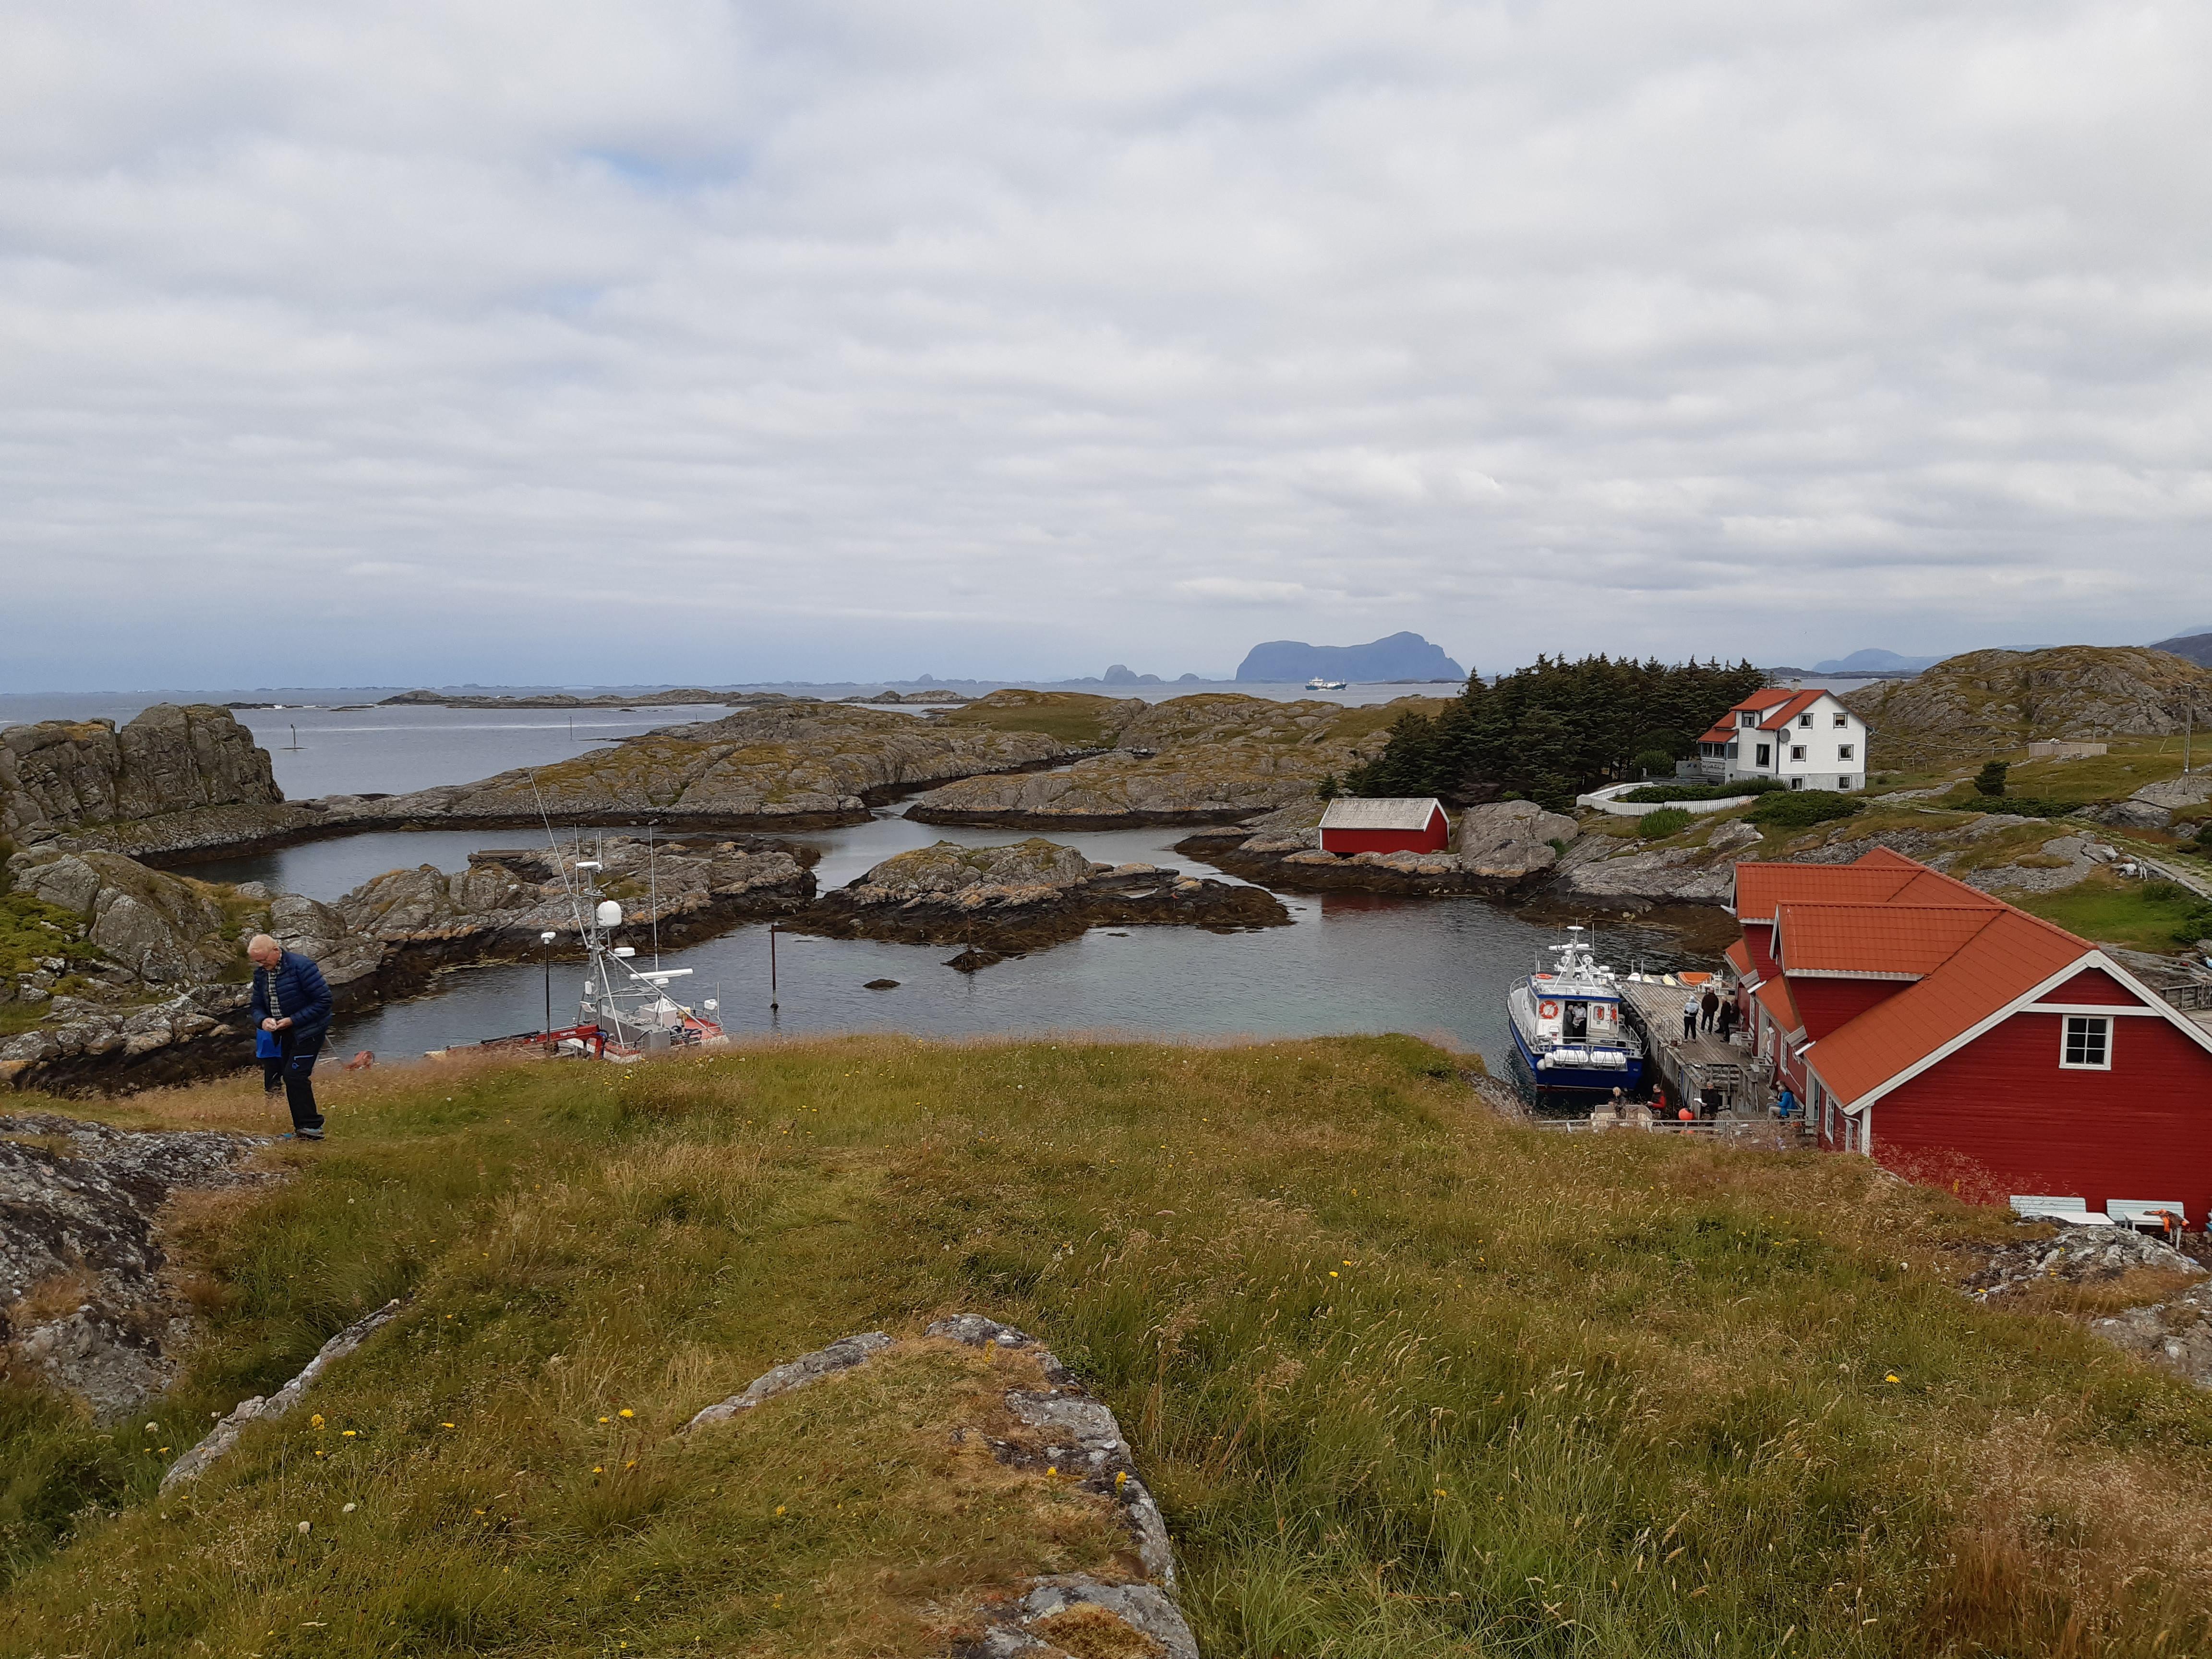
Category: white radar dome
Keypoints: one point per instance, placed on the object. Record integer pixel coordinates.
(610, 914)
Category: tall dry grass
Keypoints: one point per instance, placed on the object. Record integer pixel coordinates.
(1406, 1379)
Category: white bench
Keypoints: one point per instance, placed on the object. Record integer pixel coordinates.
(2143, 1214)
(2070, 1212)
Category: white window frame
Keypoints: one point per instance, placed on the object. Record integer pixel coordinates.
(1805, 721)
(1847, 751)
(1841, 722)
(1797, 783)
(1762, 751)
(1798, 751)
(2067, 1024)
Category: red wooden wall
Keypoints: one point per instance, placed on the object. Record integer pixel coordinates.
(1433, 839)
(2141, 1130)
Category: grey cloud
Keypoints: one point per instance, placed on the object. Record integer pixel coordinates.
(783, 340)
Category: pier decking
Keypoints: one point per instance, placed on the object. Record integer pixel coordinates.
(1694, 1070)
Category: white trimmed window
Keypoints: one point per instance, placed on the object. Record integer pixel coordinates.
(2086, 1044)
(1842, 722)
(1805, 720)
(1796, 751)
(1847, 751)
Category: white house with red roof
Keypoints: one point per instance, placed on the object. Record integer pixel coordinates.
(1926, 1024)
(1806, 739)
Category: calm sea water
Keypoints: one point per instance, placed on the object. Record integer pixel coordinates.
(1435, 968)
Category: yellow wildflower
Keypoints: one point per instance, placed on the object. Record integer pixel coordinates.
(625, 1412)
(316, 1421)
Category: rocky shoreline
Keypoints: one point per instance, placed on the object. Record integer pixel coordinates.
(1002, 902)
(166, 1001)
(1499, 850)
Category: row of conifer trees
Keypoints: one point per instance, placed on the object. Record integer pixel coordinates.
(1550, 731)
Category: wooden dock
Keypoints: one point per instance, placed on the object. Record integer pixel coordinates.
(1697, 1072)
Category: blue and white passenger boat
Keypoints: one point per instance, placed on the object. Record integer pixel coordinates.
(1567, 1025)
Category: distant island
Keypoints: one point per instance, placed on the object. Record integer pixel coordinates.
(1400, 656)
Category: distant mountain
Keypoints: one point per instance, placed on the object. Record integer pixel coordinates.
(2195, 644)
(1400, 656)
(1874, 662)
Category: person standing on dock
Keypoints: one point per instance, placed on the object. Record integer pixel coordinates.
(1690, 1020)
(292, 1004)
(1709, 1007)
(1726, 1023)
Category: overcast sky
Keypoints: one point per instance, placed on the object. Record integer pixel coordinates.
(668, 340)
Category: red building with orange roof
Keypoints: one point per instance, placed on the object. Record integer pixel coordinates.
(1926, 1024)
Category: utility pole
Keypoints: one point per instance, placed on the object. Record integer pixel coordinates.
(771, 968)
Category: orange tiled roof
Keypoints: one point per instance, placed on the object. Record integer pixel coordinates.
(1781, 1007)
(1782, 714)
(1738, 957)
(1775, 706)
(1896, 940)
(1881, 876)
(2011, 954)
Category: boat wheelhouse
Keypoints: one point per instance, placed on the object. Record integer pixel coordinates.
(626, 1013)
(1567, 1026)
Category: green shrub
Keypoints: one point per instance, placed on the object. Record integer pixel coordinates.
(2025, 806)
(1667, 821)
(1991, 780)
(1800, 809)
(1654, 762)
(1658, 791)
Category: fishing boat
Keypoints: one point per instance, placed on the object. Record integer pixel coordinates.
(626, 1011)
(1317, 684)
(1567, 1027)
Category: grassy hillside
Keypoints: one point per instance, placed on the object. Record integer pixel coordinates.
(1407, 1381)
(1987, 704)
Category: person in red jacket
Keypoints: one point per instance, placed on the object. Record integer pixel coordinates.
(292, 1004)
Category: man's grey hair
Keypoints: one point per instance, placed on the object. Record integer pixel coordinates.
(261, 942)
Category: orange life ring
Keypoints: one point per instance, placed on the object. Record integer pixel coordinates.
(1550, 1011)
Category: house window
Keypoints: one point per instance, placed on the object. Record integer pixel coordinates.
(1730, 751)
(1847, 751)
(1805, 720)
(2088, 1045)
(1748, 718)
(1796, 751)
(1797, 783)
(1842, 722)
(1847, 780)
(1766, 755)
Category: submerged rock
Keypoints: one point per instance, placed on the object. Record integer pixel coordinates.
(1021, 897)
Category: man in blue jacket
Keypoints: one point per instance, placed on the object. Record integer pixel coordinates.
(292, 1004)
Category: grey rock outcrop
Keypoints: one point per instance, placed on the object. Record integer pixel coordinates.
(840, 1356)
(1214, 757)
(163, 929)
(58, 774)
(795, 764)
(1992, 702)
(1512, 839)
(1024, 897)
(83, 1303)
(1061, 1432)
(2152, 806)
(221, 1438)
(500, 906)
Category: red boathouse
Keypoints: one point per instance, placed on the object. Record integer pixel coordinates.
(1396, 824)
(1939, 1029)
